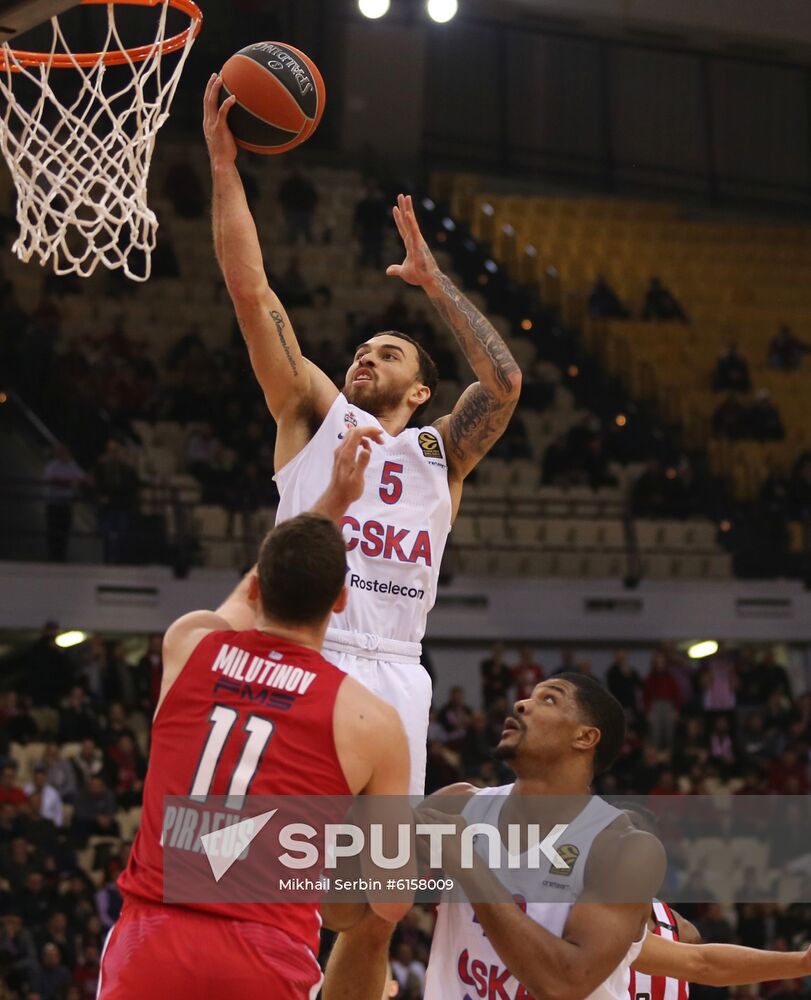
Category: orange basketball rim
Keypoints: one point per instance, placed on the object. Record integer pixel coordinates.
(114, 57)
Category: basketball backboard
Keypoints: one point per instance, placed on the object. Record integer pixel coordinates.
(17, 16)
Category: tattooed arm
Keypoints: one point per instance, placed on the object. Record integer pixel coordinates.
(297, 393)
(484, 409)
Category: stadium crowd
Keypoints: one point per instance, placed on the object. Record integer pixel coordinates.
(74, 732)
(91, 388)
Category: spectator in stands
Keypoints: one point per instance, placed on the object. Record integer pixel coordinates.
(184, 189)
(150, 671)
(661, 304)
(773, 677)
(201, 447)
(61, 480)
(117, 726)
(293, 286)
(568, 662)
(455, 717)
(604, 302)
(496, 676)
(786, 350)
(298, 199)
(95, 810)
(52, 978)
(59, 772)
(722, 745)
(729, 418)
(763, 421)
(731, 371)
(108, 898)
(117, 488)
(692, 747)
(93, 669)
(526, 673)
(370, 221)
(48, 669)
(717, 681)
(645, 773)
(662, 703)
(130, 769)
(51, 807)
(18, 955)
(441, 767)
(626, 685)
(476, 746)
(10, 789)
(76, 718)
(89, 763)
(514, 443)
(16, 721)
(714, 926)
(408, 971)
(86, 973)
(57, 931)
(123, 682)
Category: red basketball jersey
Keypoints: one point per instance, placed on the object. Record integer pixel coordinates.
(644, 987)
(249, 713)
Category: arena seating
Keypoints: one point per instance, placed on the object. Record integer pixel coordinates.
(511, 525)
(738, 283)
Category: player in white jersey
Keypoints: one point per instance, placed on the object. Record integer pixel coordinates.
(579, 942)
(574, 940)
(396, 533)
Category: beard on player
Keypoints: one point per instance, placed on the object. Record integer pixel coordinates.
(391, 371)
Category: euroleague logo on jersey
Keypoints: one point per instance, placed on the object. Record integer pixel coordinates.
(350, 420)
(429, 443)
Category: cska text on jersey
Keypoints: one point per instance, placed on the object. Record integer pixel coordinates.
(385, 541)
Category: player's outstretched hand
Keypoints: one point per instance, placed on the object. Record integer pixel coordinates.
(222, 147)
(419, 267)
(349, 468)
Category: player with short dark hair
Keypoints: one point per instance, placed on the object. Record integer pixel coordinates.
(248, 705)
(538, 941)
(397, 531)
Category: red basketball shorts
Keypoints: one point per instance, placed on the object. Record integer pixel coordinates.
(165, 951)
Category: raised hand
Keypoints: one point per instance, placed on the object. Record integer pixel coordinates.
(419, 267)
(349, 468)
(351, 461)
(222, 147)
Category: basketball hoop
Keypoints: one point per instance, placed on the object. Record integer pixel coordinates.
(80, 166)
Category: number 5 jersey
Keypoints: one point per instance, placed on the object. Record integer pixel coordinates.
(395, 533)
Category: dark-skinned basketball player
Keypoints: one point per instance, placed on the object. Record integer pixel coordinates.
(396, 532)
(583, 944)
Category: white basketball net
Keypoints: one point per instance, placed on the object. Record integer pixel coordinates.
(80, 168)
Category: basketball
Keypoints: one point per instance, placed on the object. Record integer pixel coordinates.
(280, 97)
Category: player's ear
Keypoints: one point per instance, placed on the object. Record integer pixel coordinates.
(420, 394)
(253, 589)
(341, 603)
(587, 738)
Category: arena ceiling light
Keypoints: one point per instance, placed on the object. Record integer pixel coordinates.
(374, 8)
(71, 638)
(442, 11)
(701, 649)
